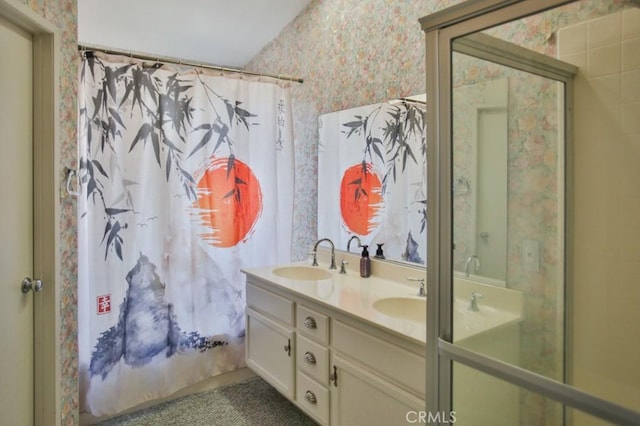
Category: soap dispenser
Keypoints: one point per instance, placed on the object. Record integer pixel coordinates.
(365, 263)
(379, 252)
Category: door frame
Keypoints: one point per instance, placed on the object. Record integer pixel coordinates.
(46, 206)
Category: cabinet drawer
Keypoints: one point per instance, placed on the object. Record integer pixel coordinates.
(312, 397)
(396, 364)
(312, 324)
(313, 359)
(269, 303)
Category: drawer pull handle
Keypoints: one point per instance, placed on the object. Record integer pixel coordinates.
(310, 397)
(309, 358)
(287, 347)
(310, 322)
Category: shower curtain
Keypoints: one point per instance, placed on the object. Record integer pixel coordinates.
(186, 177)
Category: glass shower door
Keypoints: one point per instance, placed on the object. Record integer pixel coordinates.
(515, 316)
(553, 338)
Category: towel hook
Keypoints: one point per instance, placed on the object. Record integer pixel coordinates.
(71, 174)
(461, 186)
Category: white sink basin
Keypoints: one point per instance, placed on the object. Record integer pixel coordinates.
(408, 308)
(467, 322)
(302, 273)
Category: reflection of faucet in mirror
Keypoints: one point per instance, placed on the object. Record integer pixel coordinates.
(474, 300)
(333, 253)
(421, 289)
(476, 264)
(353, 237)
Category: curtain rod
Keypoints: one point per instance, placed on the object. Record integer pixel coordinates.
(148, 57)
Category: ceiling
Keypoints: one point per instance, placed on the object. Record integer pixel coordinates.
(220, 32)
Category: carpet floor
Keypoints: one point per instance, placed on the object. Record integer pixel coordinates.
(252, 402)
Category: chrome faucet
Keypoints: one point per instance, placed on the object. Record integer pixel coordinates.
(474, 301)
(422, 291)
(476, 264)
(343, 264)
(333, 253)
(353, 237)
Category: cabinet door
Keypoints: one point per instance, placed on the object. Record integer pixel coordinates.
(362, 398)
(270, 351)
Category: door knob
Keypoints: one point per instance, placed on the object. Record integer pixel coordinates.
(31, 284)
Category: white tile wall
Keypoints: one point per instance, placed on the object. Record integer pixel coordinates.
(630, 86)
(572, 39)
(606, 204)
(630, 119)
(631, 24)
(604, 31)
(631, 54)
(604, 60)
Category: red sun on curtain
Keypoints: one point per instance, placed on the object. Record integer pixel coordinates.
(230, 200)
(360, 198)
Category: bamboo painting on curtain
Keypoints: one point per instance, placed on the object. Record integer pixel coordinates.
(186, 178)
(372, 178)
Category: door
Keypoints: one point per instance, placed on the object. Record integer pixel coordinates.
(16, 226)
(491, 196)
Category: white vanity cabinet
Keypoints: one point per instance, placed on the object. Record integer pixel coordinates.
(341, 370)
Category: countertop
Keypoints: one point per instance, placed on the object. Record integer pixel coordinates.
(355, 296)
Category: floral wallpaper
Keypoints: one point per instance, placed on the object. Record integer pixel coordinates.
(349, 52)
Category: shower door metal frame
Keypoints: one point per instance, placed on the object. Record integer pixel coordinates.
(441, 29)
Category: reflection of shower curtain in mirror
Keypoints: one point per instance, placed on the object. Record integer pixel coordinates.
(372, 178)
(186, 178)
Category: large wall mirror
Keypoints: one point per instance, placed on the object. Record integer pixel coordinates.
(372, 179)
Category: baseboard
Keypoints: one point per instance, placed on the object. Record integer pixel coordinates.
(205, 385)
